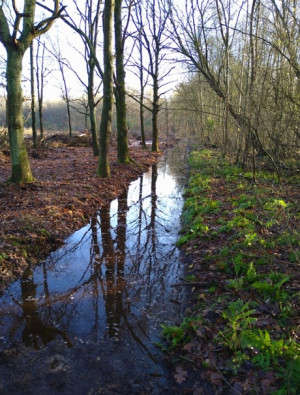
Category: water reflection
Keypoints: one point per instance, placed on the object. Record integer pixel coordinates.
(35, 331)
(113, 278)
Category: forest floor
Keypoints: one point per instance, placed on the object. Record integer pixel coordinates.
(241, 245)
(36, 217)
(241, 240)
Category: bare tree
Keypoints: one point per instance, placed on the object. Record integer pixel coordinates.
(16, 41)
(287, 28)
(151, 18)
(61, 61)
(106, 119)
(120, 90)
(156, 44)
(42, 72)
(32, 85)
(138, 20)
(88, 30)
(246, 53)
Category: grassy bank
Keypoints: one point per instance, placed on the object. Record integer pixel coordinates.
(242, 244)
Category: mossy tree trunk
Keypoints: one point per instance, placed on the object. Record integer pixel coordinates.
(20, 171)
(120, 90)
(16, 41)
(106, 119)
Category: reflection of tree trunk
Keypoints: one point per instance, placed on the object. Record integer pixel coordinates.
(109, 260)
(95, 254)
(140, 210)
(95, 243)
(46, 287)
(96, 267)
(121, 246)
(153, 204)
(121, 228)
(30, 333)
(34, 328)
(114, 262)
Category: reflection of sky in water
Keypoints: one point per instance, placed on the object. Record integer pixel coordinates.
(113, 277)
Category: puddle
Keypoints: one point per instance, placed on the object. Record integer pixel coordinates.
(87, 320)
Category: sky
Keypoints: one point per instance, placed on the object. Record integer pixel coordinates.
(71, 48)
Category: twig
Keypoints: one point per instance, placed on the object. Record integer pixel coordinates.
(189, 283)
(186, 359)
(226, 381)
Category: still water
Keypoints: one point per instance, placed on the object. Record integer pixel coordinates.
(110, 285)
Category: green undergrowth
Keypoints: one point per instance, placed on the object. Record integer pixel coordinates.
(181, 334)
(244, 240)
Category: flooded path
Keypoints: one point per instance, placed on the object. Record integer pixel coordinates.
(87, 319)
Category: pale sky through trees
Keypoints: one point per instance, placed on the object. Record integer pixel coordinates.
(67, 39)
(73, 51)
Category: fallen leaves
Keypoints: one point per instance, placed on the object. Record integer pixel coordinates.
(181, 375)
(67, 192)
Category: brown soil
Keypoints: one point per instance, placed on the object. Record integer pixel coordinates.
(36, 218)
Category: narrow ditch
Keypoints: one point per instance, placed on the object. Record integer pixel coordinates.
(87, 320)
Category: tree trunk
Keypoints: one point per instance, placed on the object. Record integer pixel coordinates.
(106, 119)
(142, 91)
(65, 93)
(16, 41)
(142, 123)
(69, 115)
(92, 107)
(33, 118)
(41, 116)
(120, 91)
(21, 171)
(155, 110)
(40, 86)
